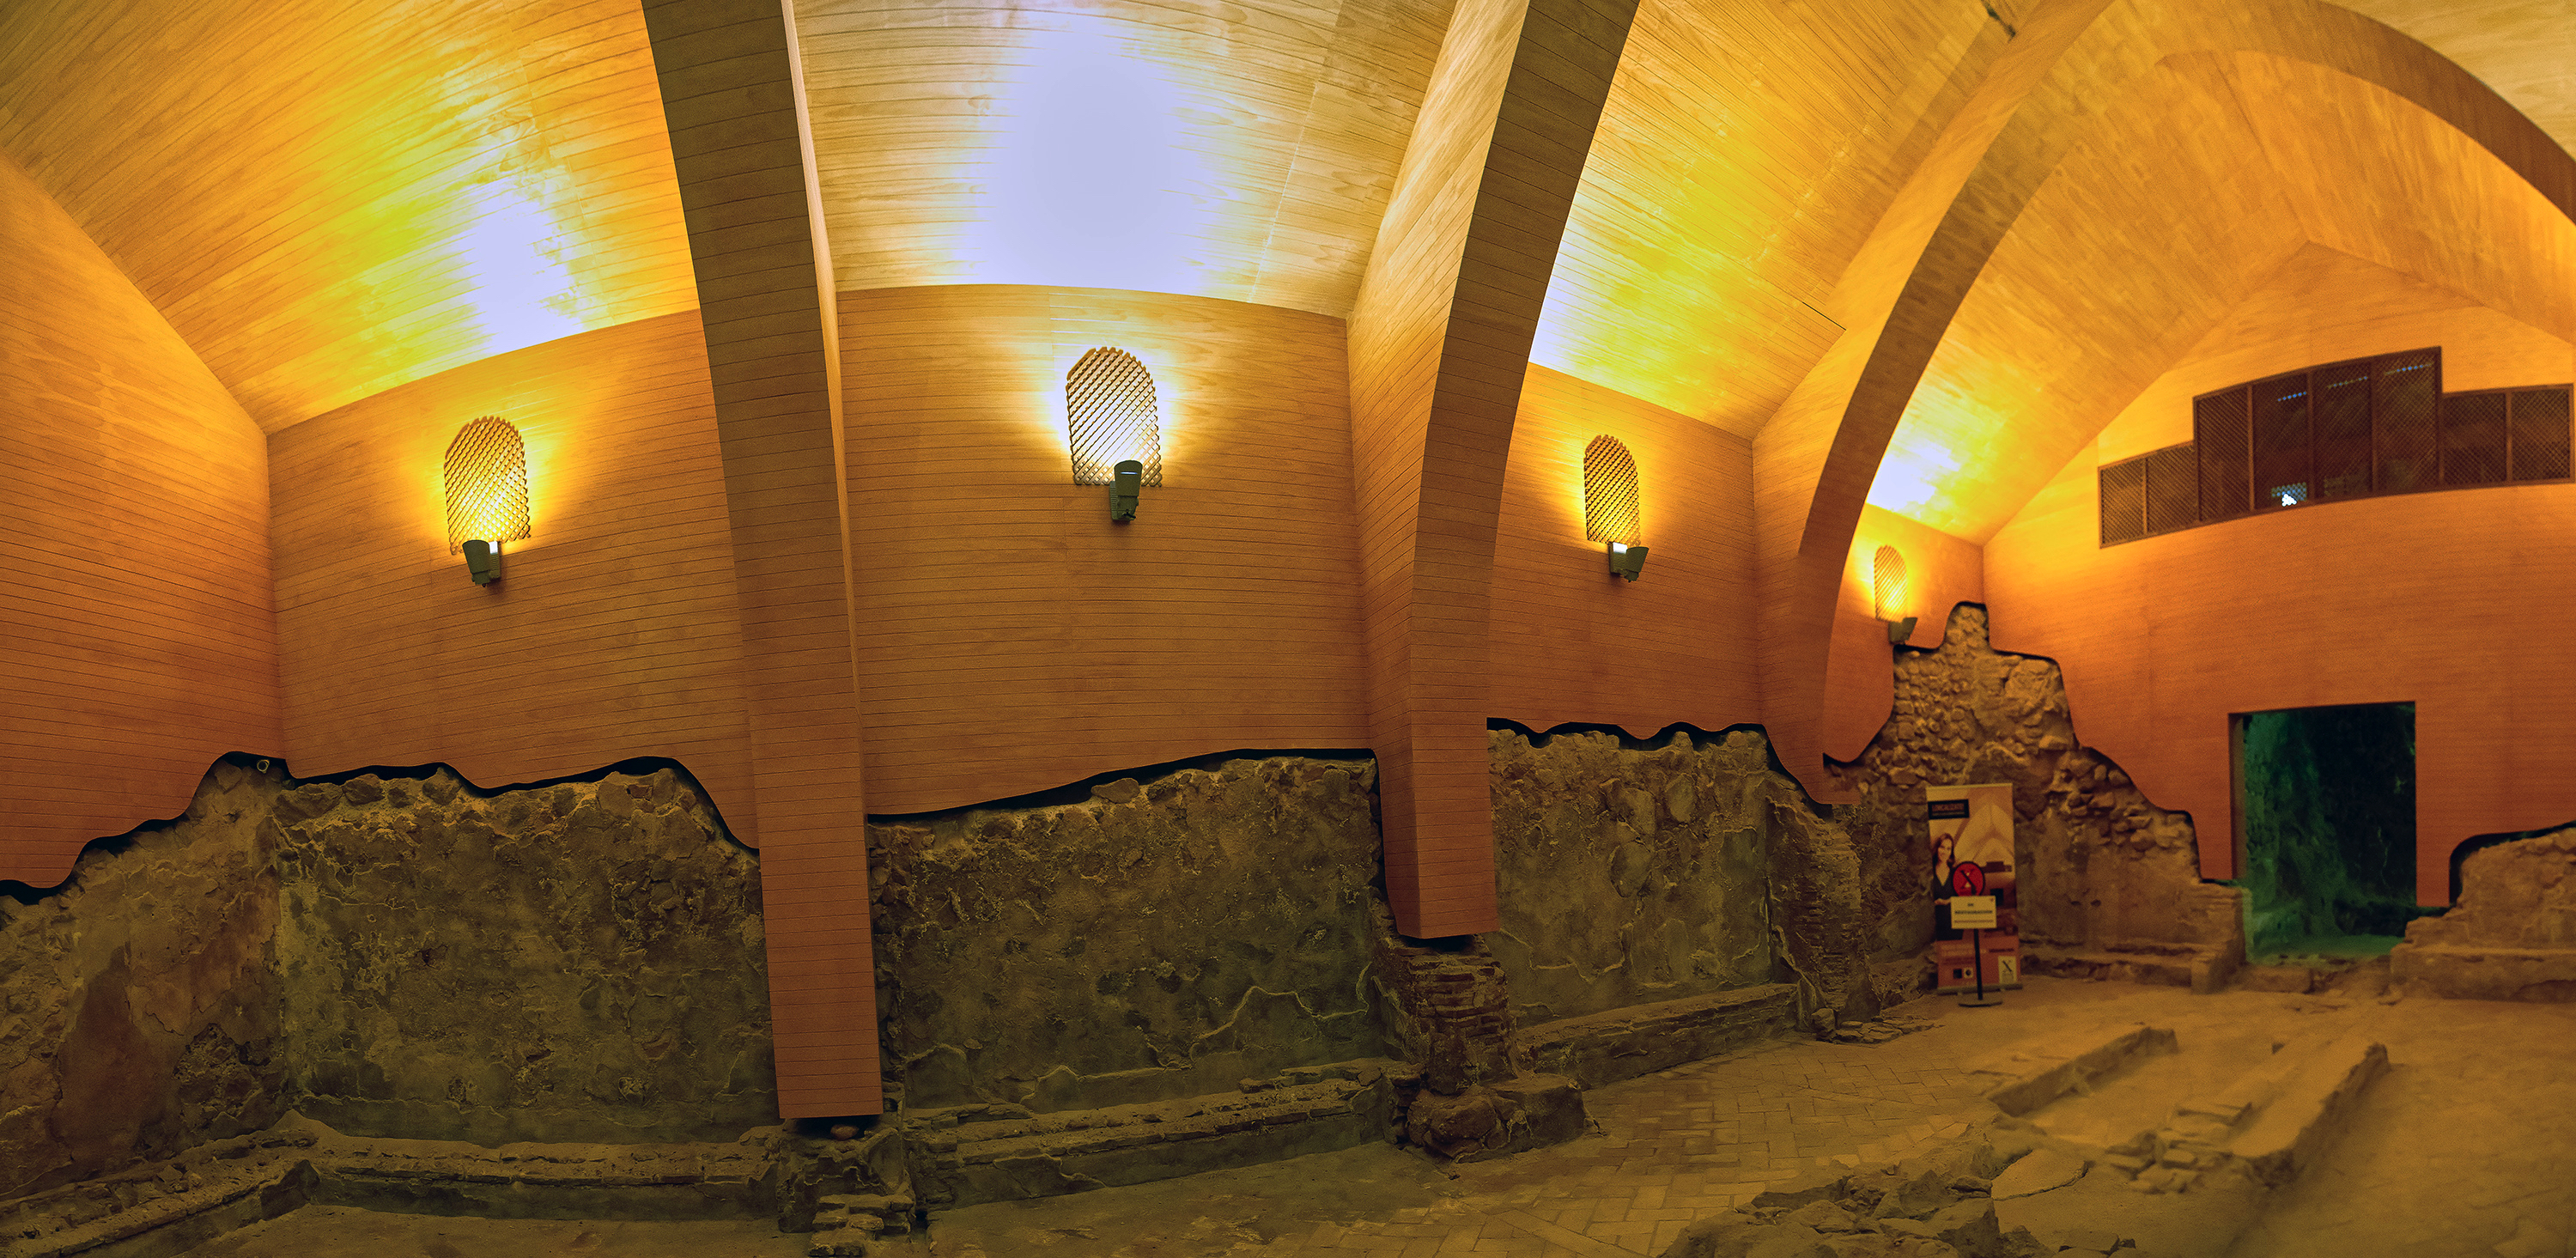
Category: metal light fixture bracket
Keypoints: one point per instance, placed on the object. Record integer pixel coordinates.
(1126, 485)
(483, 561)
(1627, 561)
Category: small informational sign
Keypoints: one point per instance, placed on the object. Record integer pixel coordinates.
(2008, 969)
(1972, 912)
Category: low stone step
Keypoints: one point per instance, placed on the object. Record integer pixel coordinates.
(2202, 969)
(1620, 1044)
(166, 1207)
(2266, 1126)
(2307, 1108)
(1027, 1155)
(2038, 1072)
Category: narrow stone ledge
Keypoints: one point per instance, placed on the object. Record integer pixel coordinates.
(976, 1154)
(1604, 1048)
(2478, 973)
(229, 1184)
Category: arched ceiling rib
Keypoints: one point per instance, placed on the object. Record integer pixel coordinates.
(328, 200)
(1817, 456)
(1745, 153)
(2137, 246)
(1238, 151)
(2524, 49)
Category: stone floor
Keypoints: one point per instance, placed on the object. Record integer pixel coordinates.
(2461, 1149)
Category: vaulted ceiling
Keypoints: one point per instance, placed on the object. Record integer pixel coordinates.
(330, 200)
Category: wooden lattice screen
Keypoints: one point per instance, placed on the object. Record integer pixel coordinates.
(1111, 415)
(2223, 434)
(2473, 434)
(1609, 493)
(2405, 397)
(2124, 500)
(2540, 434)
(2284, 450)
(2344, 430)
(2341, 416)
(486, 484)
(2173, 488)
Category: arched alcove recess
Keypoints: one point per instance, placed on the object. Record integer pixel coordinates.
(1439, 347)
(1816, 458)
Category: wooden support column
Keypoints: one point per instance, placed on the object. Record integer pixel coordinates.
(733, 92)
(1439, 345)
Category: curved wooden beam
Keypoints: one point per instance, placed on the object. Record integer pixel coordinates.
(732, 88)
(1439, 346)
(1816, 458)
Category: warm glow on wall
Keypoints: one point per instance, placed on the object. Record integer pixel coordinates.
(486, 484)
(1087, 179)
(1111, 415)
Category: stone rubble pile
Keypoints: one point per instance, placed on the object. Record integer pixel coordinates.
(1939, 1204)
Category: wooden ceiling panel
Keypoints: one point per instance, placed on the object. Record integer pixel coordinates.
(2148, 234)
(2522, 48)
(2376, 176)
(1239, 151)
(330, 200)
(1746, 152)
(2139, 243)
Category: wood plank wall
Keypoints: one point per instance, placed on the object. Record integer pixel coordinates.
(1572, 644)
(1012, 638)
(1941, 572)
(1816, 458)
(139, 641)
(733, 91)
(2454, 601)
(1440, 340)
(613, 631)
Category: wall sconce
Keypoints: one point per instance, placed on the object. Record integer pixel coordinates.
(1125, 485)
(1887, 590)
(1113, 427)
(482, 562)
(1610, 505)
(487, 494)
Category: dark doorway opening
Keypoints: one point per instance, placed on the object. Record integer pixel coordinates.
(2326, 822)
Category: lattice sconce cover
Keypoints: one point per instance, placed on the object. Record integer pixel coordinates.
(1609, 493)
(1610, 505)
(1887, 592)
(487, 493)
(1887, 581)
(1111, 417)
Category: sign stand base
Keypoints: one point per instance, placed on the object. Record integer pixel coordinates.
(1977, 942)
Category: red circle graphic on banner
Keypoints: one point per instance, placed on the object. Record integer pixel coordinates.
(1967, 880)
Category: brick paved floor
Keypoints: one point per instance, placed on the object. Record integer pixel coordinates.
(1666, 1150)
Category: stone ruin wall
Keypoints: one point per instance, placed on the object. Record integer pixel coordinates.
(2511, 935)
(1635, 872)
(395, 957)
(141, 998)
(2098, 867)
(580, 962)
(1155, 941)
